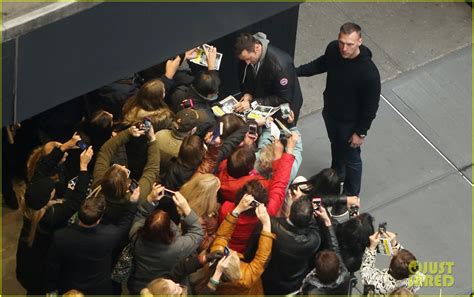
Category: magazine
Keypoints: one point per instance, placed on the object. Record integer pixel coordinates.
(201, 58)
(385, 247)
(227, 104)
(285, 130)
(274, 131)
(261, 111)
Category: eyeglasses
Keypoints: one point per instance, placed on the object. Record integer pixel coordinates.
(124, 168)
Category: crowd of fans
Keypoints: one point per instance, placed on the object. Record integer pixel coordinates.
(202, 205)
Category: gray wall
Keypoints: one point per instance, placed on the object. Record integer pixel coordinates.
(80, 53)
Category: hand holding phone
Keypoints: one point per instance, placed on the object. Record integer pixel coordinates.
(253, 130)
(285, 110)
(133, 185)
(145, 125)
(316, 203)
(254, 203)
(82, 145)
(353, 211)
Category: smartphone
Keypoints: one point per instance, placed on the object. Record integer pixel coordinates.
(254, 203)
(168, 192)
(133, 185)
(187, 103)
(316, 203)
(72, 183)
(226, 251)
(82, 145)
(285, 110)
(253, 130)
(146, 125)
(216, 132)
(353, 211)
(383, 227)
(369, 290)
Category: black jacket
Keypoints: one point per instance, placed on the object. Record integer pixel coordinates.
(313, 286)
(352, 91)
(275, 83)
(292, 256)
(30, 261)
(177, 175)
(80, 258)
(207, 119)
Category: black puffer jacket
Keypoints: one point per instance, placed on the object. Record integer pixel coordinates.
(292, 255)
(275, 82)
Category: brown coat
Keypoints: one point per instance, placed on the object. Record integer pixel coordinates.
(250, 282)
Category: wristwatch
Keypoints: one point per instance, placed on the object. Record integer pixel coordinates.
(235, 213)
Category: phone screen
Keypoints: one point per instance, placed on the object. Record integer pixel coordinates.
(133, 185)
(82, 145)
(216, 133)
(253, 129)
(168, 192)
(316, 203)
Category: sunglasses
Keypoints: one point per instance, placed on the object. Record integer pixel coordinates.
(123, 167)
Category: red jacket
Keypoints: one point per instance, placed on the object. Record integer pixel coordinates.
(276, 194)
(230, 185)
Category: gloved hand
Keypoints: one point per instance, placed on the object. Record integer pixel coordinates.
(215, 256)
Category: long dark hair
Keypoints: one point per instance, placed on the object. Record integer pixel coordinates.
(191, 151)
(353, 236)
(149, 97)
(324, 183)
(99, 128)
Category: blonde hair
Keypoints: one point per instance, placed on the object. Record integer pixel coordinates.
(74, 293)
(232, 272)
(35, 216)
(265, 160)
(201, 193)
(159, 287)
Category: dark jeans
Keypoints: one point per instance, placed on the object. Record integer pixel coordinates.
(345, 160)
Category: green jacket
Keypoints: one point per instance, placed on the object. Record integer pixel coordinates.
(150, 172)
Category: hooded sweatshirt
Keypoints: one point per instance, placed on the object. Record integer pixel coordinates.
(352, 91)
(272, 80)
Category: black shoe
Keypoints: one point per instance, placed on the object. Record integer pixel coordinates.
(339, 210)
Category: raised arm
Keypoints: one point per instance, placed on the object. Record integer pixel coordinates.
(60, 213)
(152, 168)
(107, 151)
(281, 175)
(227, 226)
(252, 272)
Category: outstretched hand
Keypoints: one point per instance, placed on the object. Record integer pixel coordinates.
(181, 203)
(71, 143)
(136, 132)
(244, 204)
(135, 195)
(172, 66)
(211, 55)
(156, 193)
(86, 157)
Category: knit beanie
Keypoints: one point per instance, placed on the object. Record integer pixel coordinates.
(38, 193)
